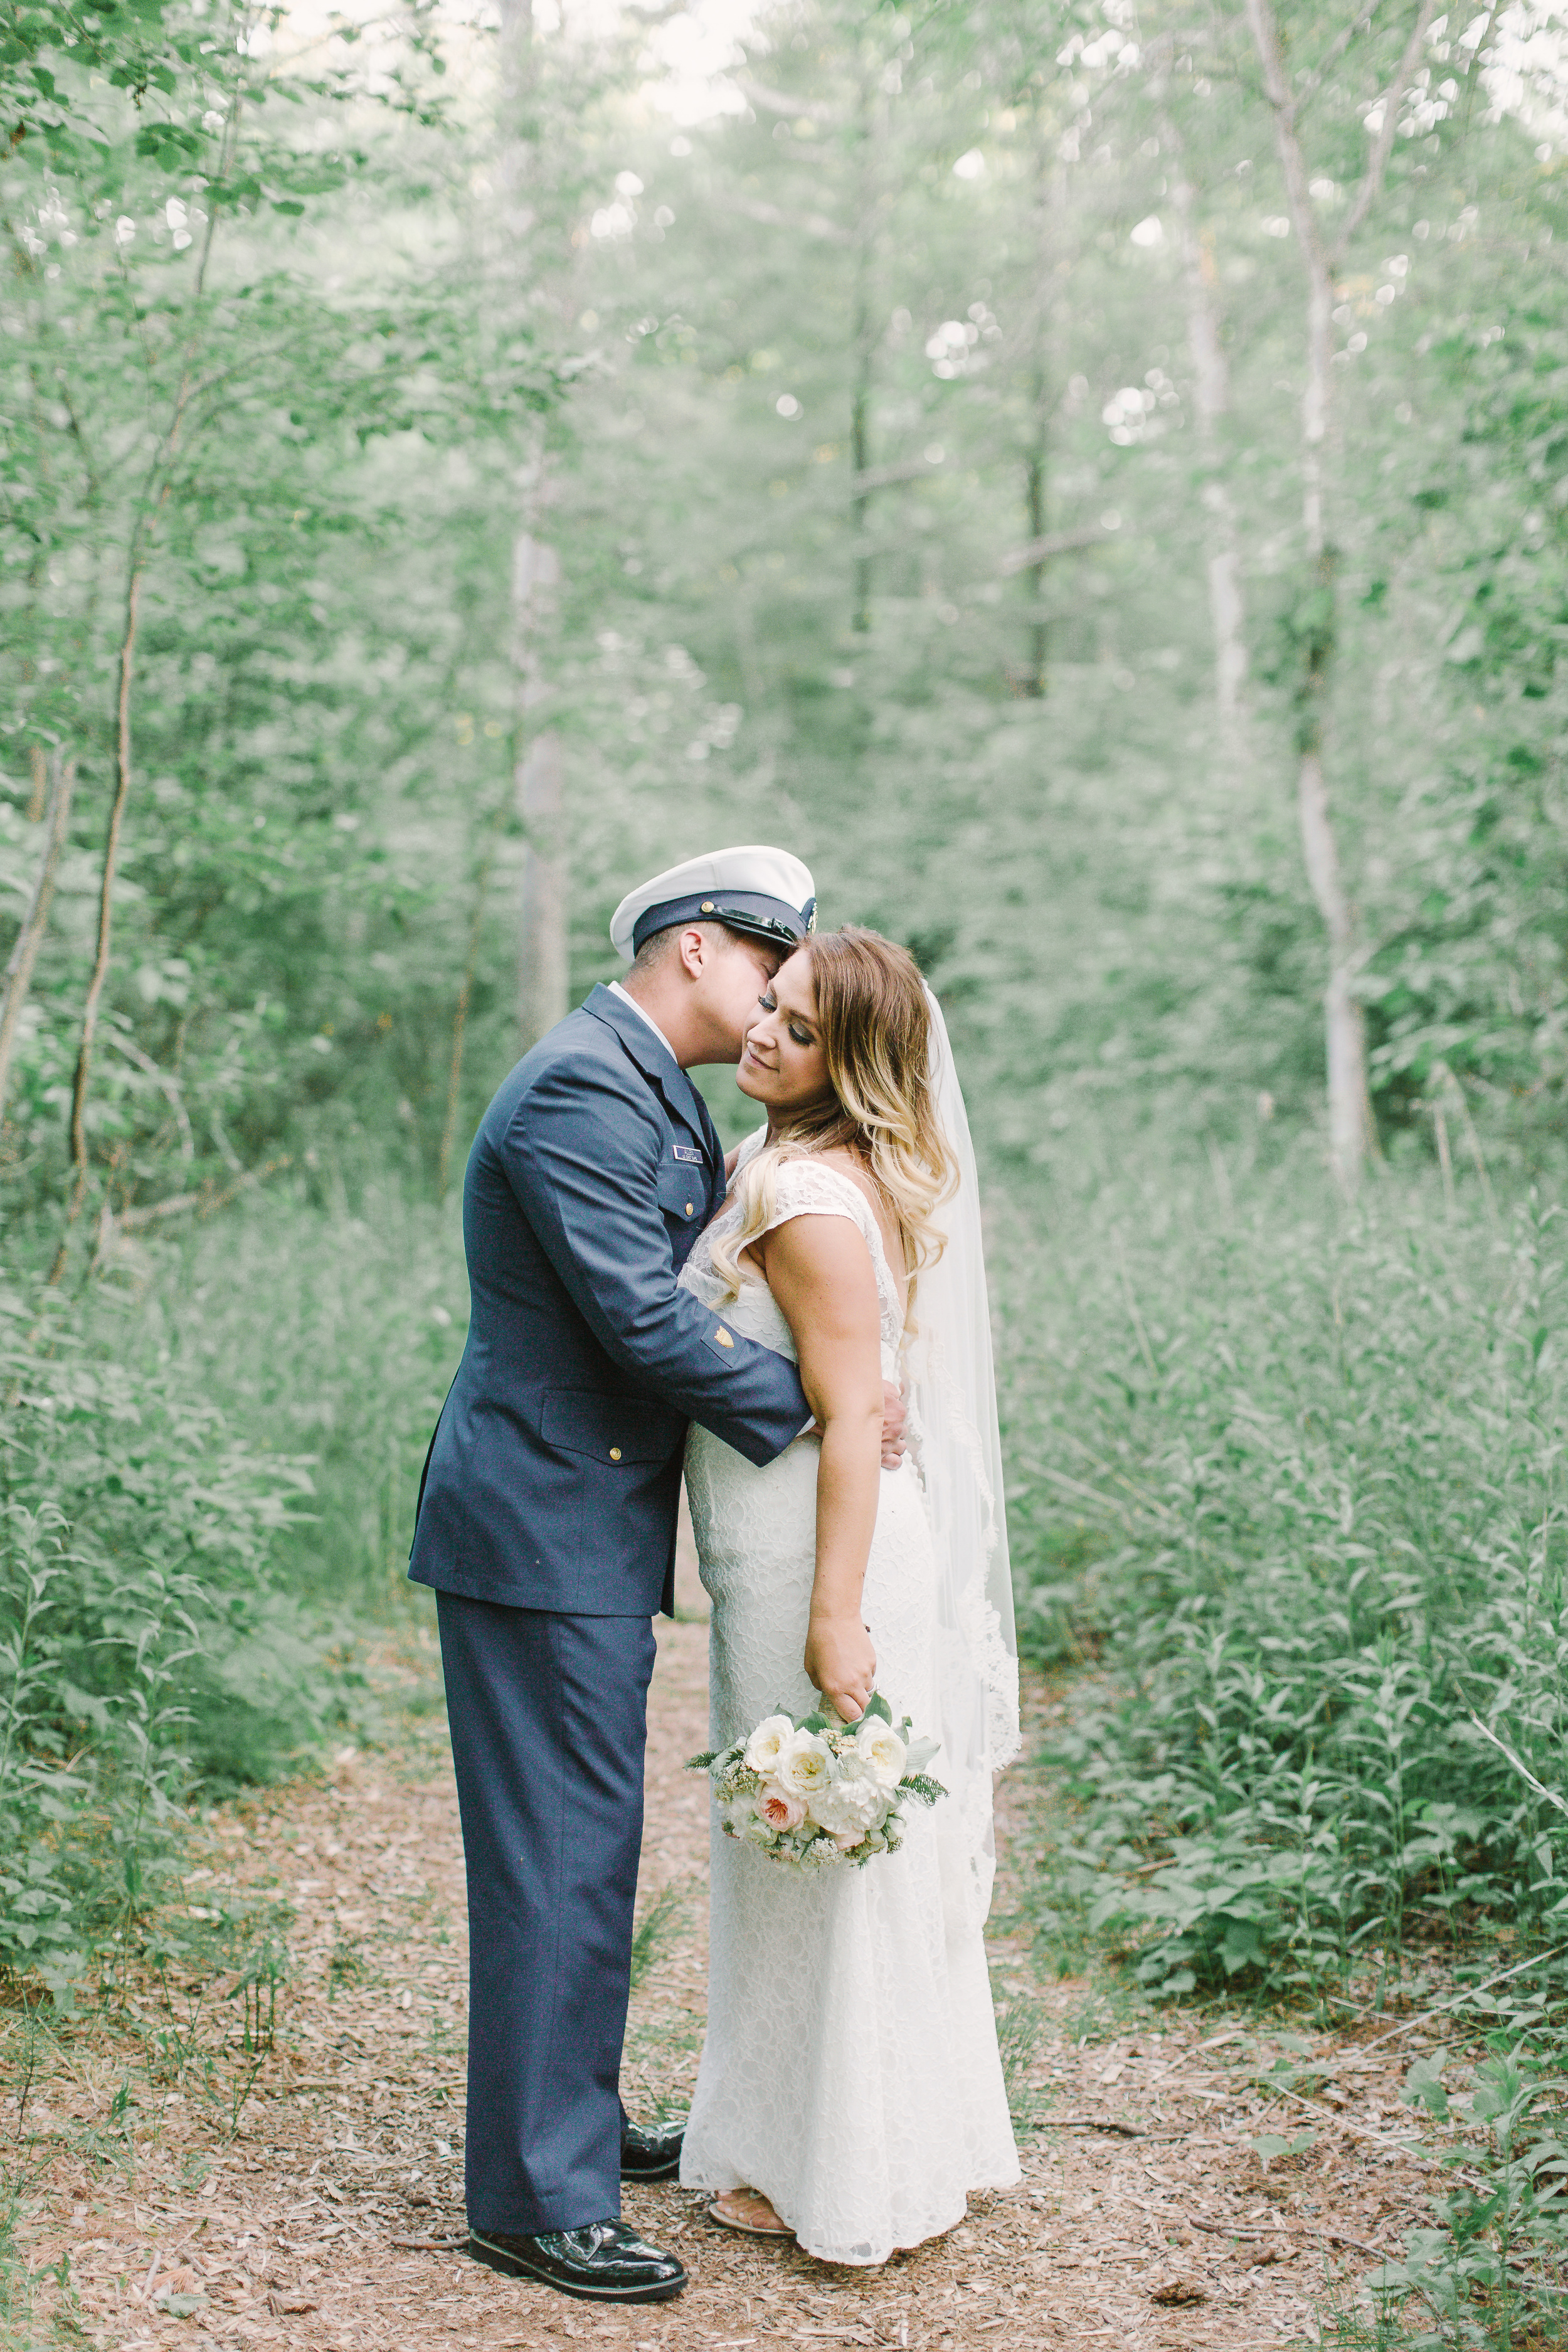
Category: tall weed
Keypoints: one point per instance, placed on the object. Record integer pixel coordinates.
(207, 1467)
(1308, 1469)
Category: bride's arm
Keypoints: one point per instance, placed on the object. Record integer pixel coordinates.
(819, 1271)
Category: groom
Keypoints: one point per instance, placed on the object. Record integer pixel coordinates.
(546, 1523)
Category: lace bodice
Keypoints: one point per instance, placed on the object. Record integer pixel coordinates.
(805, 1187)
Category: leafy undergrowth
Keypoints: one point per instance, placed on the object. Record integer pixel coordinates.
(1290, 1479)
(206, 1473)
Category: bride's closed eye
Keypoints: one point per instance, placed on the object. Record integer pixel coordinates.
(770, 1003)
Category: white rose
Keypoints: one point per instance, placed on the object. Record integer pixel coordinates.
(804, 1764)
(882, 1749)
(766, 1743)
(854, 1803)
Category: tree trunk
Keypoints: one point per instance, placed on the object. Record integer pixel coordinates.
(1211, 408)
(1035, 508)
(542, 949)
(35, 922)
(865, 335)
(541, 980)
(1036, 454)
(1350, 1126)
(105, 917)
(542, 963)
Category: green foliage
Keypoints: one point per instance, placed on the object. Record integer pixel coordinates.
(144, 1649)
(1319, 1467)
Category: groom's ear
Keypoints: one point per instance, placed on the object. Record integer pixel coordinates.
(693, 948)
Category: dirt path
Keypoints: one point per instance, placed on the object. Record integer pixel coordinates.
(181, 2193)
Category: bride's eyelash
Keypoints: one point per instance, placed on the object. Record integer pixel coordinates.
(799, 1040)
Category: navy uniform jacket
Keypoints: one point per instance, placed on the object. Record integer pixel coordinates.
(555, 1474)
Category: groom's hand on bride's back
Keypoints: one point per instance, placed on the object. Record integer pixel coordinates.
(894, 1414)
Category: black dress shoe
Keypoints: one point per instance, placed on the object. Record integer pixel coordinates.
(649, 2154)
(606, 2262)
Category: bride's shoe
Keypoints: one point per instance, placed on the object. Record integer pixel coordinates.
(748, 2209)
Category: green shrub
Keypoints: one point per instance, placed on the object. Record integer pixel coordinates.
(1310, 1468)
(206, 1479)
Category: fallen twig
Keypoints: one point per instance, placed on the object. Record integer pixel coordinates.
(1246, 2230)
(1088, 2123)
(1334, 2237)
(1458, 1999)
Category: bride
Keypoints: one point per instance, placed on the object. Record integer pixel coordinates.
(850, 2093)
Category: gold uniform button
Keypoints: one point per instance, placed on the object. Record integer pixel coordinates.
(615, 1452)
(689, 1208)
(707, 905)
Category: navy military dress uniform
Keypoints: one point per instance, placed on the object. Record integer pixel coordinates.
(546, 1525)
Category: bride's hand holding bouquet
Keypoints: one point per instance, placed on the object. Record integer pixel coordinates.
(814, 1790)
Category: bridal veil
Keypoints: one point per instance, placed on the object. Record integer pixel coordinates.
(953, 1428)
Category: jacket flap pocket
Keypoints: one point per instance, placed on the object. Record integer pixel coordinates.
(609, 1428)
(682, 1192)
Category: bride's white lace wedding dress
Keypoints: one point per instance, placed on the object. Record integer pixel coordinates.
(850, 2070)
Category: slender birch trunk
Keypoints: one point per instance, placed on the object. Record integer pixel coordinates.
(1036, 454)
(460, 1019)
(542, 987)
(542, 975)
(143, 538)
(1211, 411)
(56, 815)
(542, 965)
(865, 335)
(1349, 1124)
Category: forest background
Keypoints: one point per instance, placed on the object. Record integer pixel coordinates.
(1091, 479)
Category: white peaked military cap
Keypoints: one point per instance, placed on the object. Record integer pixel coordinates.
(763, 892)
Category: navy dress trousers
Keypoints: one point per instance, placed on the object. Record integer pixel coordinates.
(546, 1525)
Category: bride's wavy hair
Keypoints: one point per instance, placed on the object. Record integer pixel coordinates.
(875, 1028)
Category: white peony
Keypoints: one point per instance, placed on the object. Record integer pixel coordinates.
(882, 1749)
(853, 1803)
(804, 1764)
(767, 1743)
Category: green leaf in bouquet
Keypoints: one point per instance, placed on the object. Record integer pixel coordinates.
(817, 1723)
(921, 1787)
(878, 1706)
(918, 1753)
(708, 1757)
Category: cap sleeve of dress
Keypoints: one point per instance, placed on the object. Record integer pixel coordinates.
(805, 1188)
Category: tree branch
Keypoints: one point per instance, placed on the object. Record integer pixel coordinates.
(1383, 145)
(134, 1221)
(779, 101)
(1056, 542)
(1312, 83)
(30, 938)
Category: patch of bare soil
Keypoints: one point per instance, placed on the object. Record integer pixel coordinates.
(180, 2191)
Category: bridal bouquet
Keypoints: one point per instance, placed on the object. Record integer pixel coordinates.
(813, 1791)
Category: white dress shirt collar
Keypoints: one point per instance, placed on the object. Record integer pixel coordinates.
(626, 998)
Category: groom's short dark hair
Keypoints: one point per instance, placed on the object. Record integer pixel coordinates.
(657, 944)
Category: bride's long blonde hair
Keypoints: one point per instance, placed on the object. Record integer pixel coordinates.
(875, 1029)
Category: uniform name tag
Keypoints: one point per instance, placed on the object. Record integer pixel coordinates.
(688, 1152)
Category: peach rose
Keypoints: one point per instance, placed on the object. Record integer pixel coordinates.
(779, 1809)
